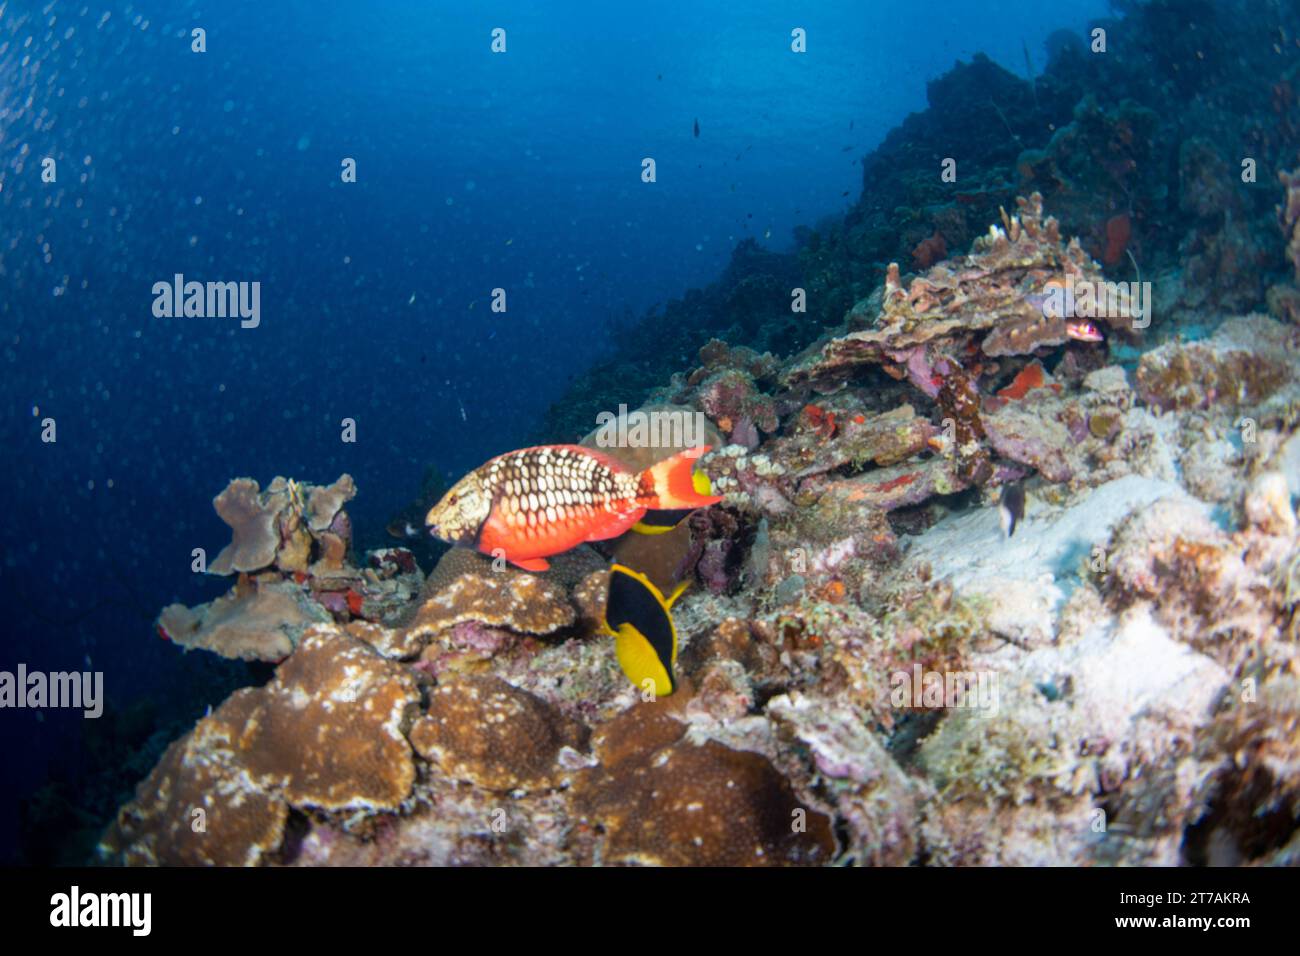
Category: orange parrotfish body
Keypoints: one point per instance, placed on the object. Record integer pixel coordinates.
(536, 502)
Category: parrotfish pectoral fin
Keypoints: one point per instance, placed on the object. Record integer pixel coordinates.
(531, 564)
(672, 483)
(637, 614)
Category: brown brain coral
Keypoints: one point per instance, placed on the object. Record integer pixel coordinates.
(662, 800)
(327, 734)
(468, 587)
(483, 730)
(196, 809)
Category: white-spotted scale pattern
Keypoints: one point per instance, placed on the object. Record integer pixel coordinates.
(537, 487)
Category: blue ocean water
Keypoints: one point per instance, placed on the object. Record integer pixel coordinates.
(475, 171)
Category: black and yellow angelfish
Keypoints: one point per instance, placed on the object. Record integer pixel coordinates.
(639, 618)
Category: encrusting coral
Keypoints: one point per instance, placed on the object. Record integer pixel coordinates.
(662, 799)
(327, 735)
(487, 732)
(259, 622)
(1243, 364)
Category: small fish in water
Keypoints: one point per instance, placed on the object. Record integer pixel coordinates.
(639, 618)
(1081, 330)
(531, 504)
(697, 129)
(1057, 301)
(1011, 506)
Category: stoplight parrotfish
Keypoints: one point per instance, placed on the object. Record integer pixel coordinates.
(661, 522)
(537, 502)
(639, 618)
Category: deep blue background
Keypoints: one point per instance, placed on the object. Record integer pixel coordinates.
(476, 171)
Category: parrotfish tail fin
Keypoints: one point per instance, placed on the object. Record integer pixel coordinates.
(638, 616)
(672, 484)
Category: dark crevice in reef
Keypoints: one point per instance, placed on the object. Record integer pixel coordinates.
(1244, 823)
(910, 732)
(296, 829)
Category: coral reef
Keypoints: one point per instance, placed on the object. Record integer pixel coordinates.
(1245, 363)
(926, 330)
(291, 549)
(871, 670)
(252, 622)
(326, 736)
(287, 525)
